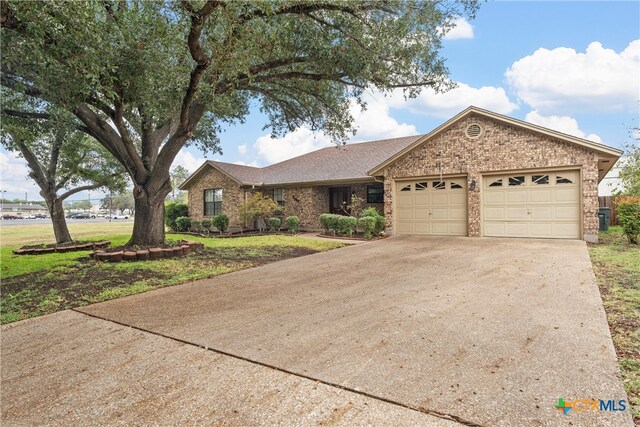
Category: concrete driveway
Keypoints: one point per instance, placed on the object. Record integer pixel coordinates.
(408, 330)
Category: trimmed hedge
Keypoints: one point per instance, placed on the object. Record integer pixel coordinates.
(293, 222)
(183, 223)
(338, 223)
(221, 222)
(274, 224)
(174, 211)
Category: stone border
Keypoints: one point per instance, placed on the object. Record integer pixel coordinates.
(62, 249)
(148, 254)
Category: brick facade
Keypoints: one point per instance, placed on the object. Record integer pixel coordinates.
(500, 147)
(233, 195)
(305, 202)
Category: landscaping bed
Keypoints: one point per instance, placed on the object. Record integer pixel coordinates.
(62, 281)
(354, 237)
(60, 248)
(127, 253)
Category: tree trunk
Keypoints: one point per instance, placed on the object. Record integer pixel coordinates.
(148, 223)
(60, 229)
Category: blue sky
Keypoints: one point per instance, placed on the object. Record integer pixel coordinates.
(571, 66)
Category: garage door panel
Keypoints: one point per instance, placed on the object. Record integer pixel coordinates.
(546, 205)
(541, 195)
(458, 214)
(516, 213)
(494, 213)
(494, 197)
(516, 196)
(566, 195)
(432, 206)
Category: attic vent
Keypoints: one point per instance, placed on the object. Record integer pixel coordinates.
(473, 131)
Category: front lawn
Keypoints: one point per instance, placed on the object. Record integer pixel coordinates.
(616, 264)
(33, 285)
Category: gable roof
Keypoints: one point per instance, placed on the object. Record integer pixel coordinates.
(607, 155)
(339, 163)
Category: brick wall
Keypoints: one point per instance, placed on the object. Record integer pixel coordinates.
(232, 195)
(500, 147)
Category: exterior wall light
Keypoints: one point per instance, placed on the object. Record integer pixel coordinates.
(472, 185)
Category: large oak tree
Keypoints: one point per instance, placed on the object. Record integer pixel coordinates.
(147, 78)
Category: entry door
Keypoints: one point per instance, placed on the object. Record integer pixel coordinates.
(432, 206)
(540, 204)
(339, 199)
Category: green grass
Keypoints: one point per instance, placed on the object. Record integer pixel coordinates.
(616, 264)
(33, 285)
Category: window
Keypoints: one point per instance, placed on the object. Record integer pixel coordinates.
(277, 194)
(375, 193)
(406, 188)
(439, 185)
(212, 202)
(455, 185)
(563, 180)
(422, 186)
(496, 183)
(540, 179)
(516, 180)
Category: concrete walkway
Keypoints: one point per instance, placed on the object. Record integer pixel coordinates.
(402, 331)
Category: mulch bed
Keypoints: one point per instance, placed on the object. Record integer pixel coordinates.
(122, 253)
(61, 248)
(356, 237)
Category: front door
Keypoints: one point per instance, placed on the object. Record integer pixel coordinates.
(339, 199)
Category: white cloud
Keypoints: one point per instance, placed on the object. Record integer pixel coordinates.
(447, 104)
(240, 162)
(562, 79)
(242, 149)
(187, 160)
(462, 30)
(15, 179)
(564, 124)
(372, 124)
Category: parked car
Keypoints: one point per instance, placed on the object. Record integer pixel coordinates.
(80, 216)
(40, 216)
(120, 216)
(9, 216)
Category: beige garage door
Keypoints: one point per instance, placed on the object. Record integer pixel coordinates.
(432, 206)
(541, 204)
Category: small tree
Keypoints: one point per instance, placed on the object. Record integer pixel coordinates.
(258, 208)
(630, 172)
(629, 217)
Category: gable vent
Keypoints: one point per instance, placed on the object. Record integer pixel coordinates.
(473, 131)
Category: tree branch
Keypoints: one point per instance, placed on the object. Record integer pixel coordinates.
(25, 114)
(79, 189)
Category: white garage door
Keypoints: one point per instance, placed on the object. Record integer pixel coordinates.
(541, 204)
(432, 206)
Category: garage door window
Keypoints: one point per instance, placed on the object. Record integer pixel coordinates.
(439, 185)
(496, 183)
(406, 188)
(516, 180)
(455, 185)
(421, 186)
(540, 179)
(563, 180)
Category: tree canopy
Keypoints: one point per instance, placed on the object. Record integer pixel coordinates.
(146, 78)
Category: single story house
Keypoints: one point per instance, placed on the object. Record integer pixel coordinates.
(478, 174)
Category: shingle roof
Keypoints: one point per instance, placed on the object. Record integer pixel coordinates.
(348, 162)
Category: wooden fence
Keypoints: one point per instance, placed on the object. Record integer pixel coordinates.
(609, 202)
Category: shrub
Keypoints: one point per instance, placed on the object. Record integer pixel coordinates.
(196, 226)
(325, 221)
(206, 225)
(183, 223)
(274, 224)
(368, 225)
(221, 222)
(347, 224)
(373, 212)
(629, 217)
(173, 211)
(293, 222)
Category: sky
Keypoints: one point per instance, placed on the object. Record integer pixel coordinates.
(569, 66)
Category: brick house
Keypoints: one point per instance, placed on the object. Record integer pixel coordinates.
(478, 174)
